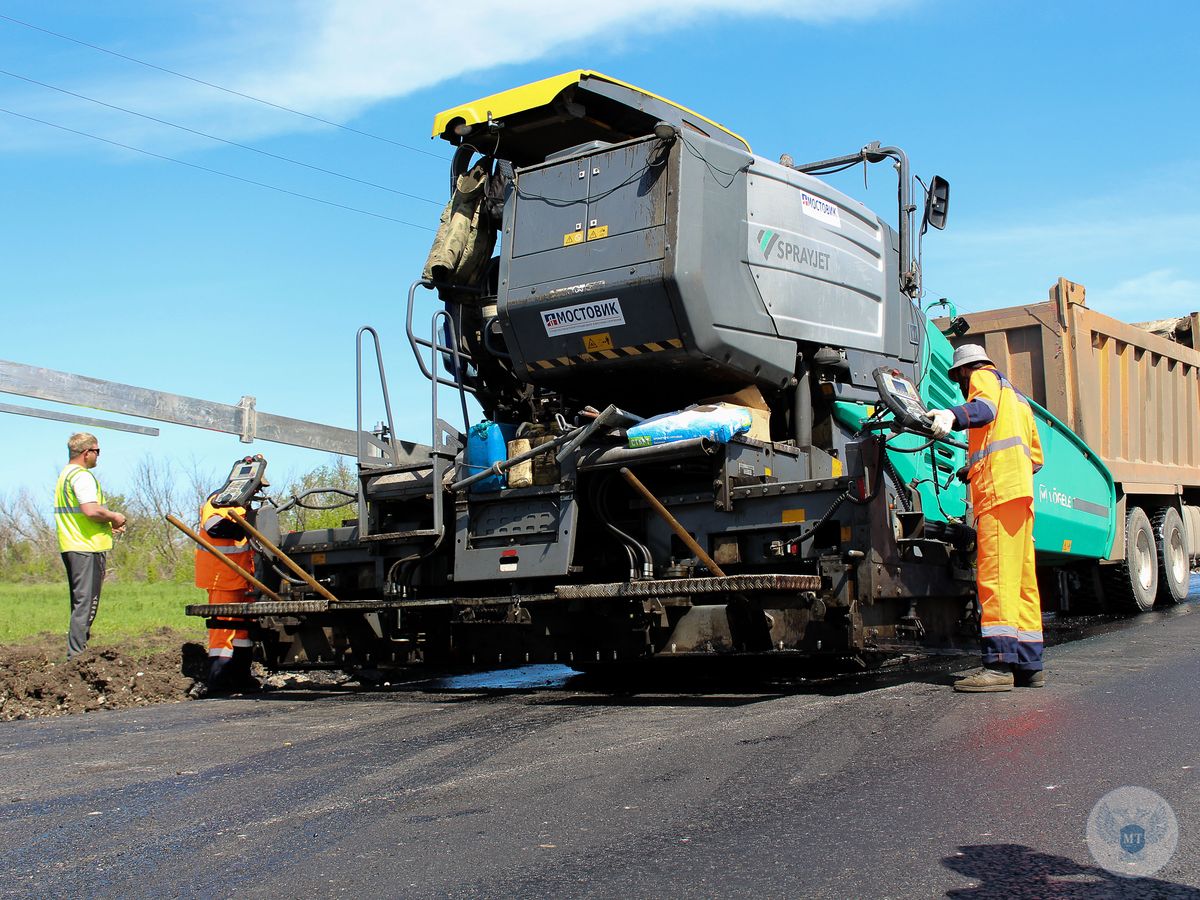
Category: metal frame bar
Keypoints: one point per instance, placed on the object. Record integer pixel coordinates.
(114, 397)
(77, 420)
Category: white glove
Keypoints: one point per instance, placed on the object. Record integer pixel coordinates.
(940, 422)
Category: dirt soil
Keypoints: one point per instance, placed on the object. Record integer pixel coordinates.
(37, 680)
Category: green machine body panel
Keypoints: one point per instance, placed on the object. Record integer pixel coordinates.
(1075, 498)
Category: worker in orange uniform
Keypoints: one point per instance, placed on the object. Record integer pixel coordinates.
(229, 648)
(1004, 453)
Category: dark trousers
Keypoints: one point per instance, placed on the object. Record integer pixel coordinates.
(85, 575)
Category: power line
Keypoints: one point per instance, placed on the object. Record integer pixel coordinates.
(181, 162)
(150, 65)
(222, 140)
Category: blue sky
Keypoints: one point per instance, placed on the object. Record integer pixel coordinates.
(1067, 130)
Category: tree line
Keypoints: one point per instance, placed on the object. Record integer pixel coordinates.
(151, 550)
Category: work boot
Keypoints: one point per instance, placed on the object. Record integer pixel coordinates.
(986, 680)
(1030, 679)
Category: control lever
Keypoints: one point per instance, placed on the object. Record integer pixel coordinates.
(900, 397)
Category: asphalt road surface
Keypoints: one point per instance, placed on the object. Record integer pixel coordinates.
(883, 787)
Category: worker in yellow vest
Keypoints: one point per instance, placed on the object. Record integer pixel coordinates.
(1004, 452)
(229, 648)
(85, 528)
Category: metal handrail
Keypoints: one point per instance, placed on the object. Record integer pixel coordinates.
(435, 352)
(417, 342)
(387, 403)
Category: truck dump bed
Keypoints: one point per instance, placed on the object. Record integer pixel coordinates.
(1133, 396)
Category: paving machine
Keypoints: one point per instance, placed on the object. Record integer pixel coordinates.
(608, 257)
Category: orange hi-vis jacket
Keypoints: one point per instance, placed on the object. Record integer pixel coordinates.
(1002, 440)
(210, 574)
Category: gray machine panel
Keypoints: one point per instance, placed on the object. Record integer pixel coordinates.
(582, 263)
(757, 261)
(551, 202)
(514, 535)
(818, 260)
(627, 192)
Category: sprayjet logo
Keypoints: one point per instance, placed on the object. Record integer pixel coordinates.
(788, 252)
(766, 241)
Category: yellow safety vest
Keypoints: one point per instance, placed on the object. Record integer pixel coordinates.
(1004, 453)
(76, 532)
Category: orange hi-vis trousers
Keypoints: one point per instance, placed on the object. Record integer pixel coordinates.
(1011, 617)
(221, 641)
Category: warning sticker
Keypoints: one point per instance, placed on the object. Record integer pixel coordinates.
(583, 317)
(817, 208)
(594, 343)
(594, 234)
(572, 237)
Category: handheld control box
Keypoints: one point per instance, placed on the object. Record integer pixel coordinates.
(900, 396)
(244, 481)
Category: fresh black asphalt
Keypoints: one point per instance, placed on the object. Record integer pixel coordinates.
(870, 788)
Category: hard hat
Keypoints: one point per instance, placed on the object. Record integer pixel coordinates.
(966, 354)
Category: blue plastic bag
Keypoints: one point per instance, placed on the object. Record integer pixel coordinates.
(716, 421)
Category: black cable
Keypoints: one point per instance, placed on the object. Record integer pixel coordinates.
(566, 201)
(149, 65)
(833, 171)
(924, 446)
(213, 137)
(181, 162)
(897, 482)
(805, 535)
(299, 499)
(713, 170)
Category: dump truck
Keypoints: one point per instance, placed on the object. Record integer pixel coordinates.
(609, 265)
(1132, 392)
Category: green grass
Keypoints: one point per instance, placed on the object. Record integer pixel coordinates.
(126, 610)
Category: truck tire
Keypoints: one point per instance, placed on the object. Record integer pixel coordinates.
(1132, 585)
(1174, 570)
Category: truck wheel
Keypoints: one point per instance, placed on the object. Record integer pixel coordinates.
(1133, 584)
(1174, 571)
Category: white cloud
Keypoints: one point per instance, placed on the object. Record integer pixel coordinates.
(1129, 246)
(336, 58)
(1147, 296)
(362, 51)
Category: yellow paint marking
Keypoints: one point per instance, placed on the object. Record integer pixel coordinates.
(632, 351)
(610, 354)
(837, 468)
(792, 516)
(654, 348)
(676, 343)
